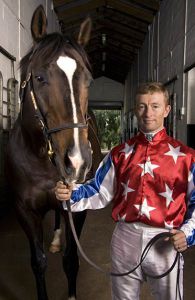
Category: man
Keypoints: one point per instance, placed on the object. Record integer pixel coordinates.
(151, 182)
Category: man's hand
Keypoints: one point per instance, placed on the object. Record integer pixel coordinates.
(179, 240)
(62, 192)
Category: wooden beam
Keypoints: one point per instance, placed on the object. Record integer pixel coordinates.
(123, 29)
(126, 44)
(122, 38)
(104, 15)
(151, 4)
(121, 45)
(113, 29)
(78, 9)
(75, 21)
(111, 47)
(130, 9)
(110, 16)
(57, 3)
(120, 18)
(119, 60)
(111, 55)
(111, 42)
(87, 6)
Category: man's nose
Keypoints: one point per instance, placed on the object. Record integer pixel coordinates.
(148, 111)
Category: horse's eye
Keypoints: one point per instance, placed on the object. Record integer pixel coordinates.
(40, 79)
(89, 82)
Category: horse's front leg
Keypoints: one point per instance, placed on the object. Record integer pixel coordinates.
(70, 258)
(32, 225)
(55, 245)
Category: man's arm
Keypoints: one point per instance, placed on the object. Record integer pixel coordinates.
(189, 224)
(94, 194)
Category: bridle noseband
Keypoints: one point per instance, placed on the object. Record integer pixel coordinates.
(38, 114)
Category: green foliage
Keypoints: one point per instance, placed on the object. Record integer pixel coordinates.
(108, 127)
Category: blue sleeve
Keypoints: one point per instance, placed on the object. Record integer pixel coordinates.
(189, 225)
(98, 192)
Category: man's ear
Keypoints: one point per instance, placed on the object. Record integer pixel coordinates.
(85, 32)
(38, 24)
(167, 110)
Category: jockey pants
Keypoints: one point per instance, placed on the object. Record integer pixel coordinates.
(127, 245)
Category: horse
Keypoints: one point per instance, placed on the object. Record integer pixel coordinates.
(49, 140)
(94, 139)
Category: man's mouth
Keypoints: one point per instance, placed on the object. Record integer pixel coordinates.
(148, 121)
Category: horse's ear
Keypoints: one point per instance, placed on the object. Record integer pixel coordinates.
(85, 32)
(38, 24)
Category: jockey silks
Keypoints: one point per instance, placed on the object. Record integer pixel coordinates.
(149, 181)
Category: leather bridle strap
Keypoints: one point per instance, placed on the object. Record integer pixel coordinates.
(39, 114)
(143, 256)
(67, 126)
(41, 118)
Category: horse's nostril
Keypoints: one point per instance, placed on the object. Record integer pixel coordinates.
(68, 165)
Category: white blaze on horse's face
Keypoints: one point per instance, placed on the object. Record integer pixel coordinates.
(68, 65)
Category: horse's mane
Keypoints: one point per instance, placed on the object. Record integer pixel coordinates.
(49, 48)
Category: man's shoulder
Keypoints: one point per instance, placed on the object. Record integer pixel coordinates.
(183, 147)
(124, 148)
(121, 146)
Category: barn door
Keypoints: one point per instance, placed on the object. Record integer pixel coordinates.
(8, 113)
(191, 108)
(171, 121)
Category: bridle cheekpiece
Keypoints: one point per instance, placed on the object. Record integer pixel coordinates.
(46, 131)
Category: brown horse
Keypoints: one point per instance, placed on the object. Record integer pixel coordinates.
(97, 156)
(49, 140)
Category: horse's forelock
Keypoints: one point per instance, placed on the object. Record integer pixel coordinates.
(50, 47)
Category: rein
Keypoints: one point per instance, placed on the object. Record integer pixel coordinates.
(143, 256)
(46, 132)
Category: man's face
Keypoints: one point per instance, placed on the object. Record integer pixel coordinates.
(151, 109)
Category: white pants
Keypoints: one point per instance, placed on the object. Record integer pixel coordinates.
(128, 243)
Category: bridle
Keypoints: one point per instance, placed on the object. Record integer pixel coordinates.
(39, 115)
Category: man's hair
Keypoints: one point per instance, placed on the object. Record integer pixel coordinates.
(151, 88)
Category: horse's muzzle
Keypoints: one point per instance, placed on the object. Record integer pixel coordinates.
(76, 166)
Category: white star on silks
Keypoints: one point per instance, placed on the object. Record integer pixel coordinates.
(167, 195)
(127, 150)
(174, 152)
(148, 167)
(169, 225)
(144, 208)
(126, 189)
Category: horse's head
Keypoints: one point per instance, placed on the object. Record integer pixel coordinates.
(57, 74)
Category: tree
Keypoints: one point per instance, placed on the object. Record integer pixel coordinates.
(108, 127)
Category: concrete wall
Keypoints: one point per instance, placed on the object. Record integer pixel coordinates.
(167, 54)
(15, 39)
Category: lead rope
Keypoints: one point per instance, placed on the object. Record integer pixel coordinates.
(143, 256)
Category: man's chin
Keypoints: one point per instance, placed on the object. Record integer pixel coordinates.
(147, 129)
